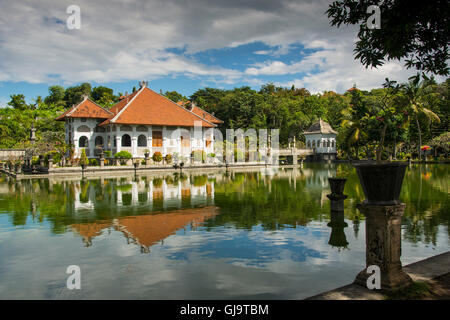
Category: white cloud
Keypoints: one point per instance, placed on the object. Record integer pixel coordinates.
(128, 40)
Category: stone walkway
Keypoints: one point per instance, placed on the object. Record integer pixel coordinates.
(434, 271)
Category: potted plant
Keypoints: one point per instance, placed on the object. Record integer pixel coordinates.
(382, 181)
(168, 158)
(157, 157)
(146, 153)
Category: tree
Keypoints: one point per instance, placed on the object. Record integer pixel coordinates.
(415, 92)
(56, 96)
(74, 95)
(104, 96)
(18, 102)
(175, 96)
(417, 31)
(354, 122)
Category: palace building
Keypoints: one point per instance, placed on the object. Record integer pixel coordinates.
(141, 122)
(321, 138)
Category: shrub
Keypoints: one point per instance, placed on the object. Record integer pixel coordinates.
(168, 158)
(199, 155)
(108, 154)
(93, 162)
(35, 161)
(83, 158)
(123, 155)
(157, 156)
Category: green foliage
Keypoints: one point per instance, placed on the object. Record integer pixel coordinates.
(83, 158)
(123, 155)
(18, 102)
(421, 39)
(93, 162)
(74, 95)
(175, 96)
(199, 155)
(103, 96)
(157, 156)
(168, 158)
(56, 96)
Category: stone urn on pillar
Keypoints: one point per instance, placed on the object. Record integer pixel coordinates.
(382, 183)
(337, 224)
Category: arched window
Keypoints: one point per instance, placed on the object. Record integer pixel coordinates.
(142, 141)
(99, 141)
(126, 140)
(328, 143)
(308, 144)
(314, 144)
(318, 143)
(126, 128)
(83, 129)
(142, 129)
(83, 142)
(333, 144)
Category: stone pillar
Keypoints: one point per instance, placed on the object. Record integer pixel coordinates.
(18, 168)
(134, 147)
(50, 162)
(118, 143)
(77, 149)
(383, 245)
(102, 160)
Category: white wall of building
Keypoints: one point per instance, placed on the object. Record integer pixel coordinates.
(322, 143)
(78, 129)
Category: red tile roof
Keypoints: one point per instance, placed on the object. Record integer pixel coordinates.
(147, 229)
(85, 109)
(147, 107)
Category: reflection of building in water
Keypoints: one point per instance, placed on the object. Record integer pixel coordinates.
(90, 230)
(84, 196)
(158, 194)
(147, 230)
(317, 179)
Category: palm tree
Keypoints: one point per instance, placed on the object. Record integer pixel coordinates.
(415, 92)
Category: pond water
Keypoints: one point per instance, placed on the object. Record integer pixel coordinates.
(261, 234)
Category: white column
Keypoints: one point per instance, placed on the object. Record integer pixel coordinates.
(149, 141)
(119, 197)
(118, 143)
(134, 193)
(134, 146)
(164, 141)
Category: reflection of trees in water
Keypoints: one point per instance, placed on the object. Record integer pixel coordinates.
(272, 199)
(426, 192)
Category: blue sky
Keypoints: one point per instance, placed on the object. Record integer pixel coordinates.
(180, 46)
